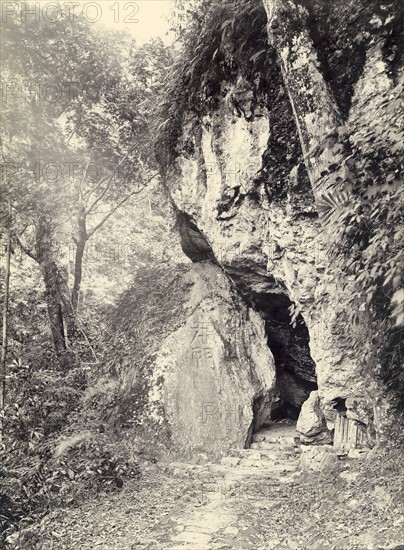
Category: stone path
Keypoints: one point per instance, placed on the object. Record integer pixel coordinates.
(272, 459)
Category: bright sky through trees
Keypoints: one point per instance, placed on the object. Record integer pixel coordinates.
(152, 16)
(142, 19)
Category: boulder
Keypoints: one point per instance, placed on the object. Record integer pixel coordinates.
(213, 379)
(323, 438)
(311, 421)
(318, 459)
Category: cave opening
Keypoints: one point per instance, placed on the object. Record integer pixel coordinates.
(295, 369)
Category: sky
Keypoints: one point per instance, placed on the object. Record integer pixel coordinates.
(143, 19)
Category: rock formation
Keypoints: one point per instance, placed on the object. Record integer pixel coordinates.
(248, 180)
(213, 379)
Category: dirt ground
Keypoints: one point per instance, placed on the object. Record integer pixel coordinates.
(357, 506)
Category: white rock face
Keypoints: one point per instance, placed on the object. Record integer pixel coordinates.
(210, 374)
(270, 241)
(265, 246)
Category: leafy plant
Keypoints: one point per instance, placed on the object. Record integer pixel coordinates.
(219, 43)
(145, 314)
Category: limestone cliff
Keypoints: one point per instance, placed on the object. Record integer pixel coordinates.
(253, 176)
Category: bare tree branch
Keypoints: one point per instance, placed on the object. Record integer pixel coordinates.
(100, 196)
(135, 192)
(109, 180)
(25, 249)
(96, 186)
(82, 181)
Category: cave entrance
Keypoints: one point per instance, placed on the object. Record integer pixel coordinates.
(295, 368)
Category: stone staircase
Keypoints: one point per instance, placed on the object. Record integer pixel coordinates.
(274, 450)
(244, 475)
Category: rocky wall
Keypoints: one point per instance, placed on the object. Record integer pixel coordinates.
(213, 379)
(270, 248)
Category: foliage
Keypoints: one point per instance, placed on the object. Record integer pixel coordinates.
(220, 42)
(81, 101)
(360, 24)
(82, 465)
(77, 131)
(44, 403)
(362, 210)
(40, 467)
(137, 516)
(365, 211)
(145, 314)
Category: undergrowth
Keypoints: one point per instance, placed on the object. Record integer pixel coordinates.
(144, 316)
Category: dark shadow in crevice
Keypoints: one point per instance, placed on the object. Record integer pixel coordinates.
(261, 410)
(295, 368)
(193, 242)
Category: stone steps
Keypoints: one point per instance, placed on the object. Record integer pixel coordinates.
(265, 448)
(267, 456)
(274, 451)
(279, 434)
(270, 462)
(241, 453)
(286, 440)
(254, 461)
(268, 465)
(276, 447)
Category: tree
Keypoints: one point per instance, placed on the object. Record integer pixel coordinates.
(117, 132)
(5, 313)
(93, 128)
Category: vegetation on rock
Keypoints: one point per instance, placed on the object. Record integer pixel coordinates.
(226, 53)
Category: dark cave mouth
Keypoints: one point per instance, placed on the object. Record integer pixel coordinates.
(295, 369)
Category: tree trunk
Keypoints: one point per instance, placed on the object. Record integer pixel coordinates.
(83, 235)
(54, 304)
(5, 332)
(78, 264)
(60, 311)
